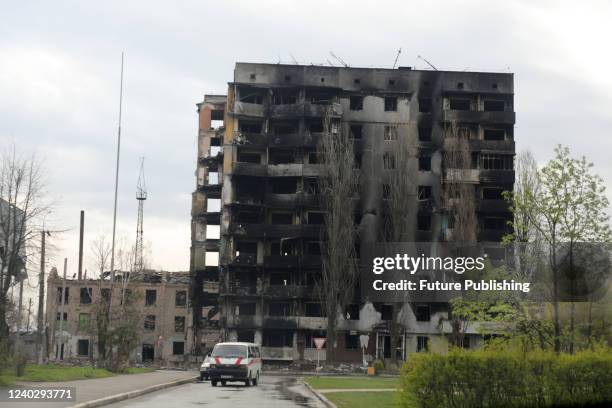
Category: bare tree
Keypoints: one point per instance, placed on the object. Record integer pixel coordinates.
(338, 185)
(100, 253)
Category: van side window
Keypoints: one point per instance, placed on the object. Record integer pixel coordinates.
(251, 353)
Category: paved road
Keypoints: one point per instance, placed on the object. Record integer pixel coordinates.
(272, 392)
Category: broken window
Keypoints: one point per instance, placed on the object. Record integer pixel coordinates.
(279, 309)
(320, 97)
(459, 104)
(66, 295)
(65, 317)
(422, 313)
(390, 133)
(213, 177)
(494, 134)
(496, 161)
(283, 186)
(280, 278)
(213, 205)
(424, 134)
(249, 127)
(351, 341)
(425, 163)
(249, 157)
(213, 231)
(316, 126)
(247, 336)
(386, 191)
(459, 85)
(356, 103)
(311, 186)
(312, 309)
(178, 348)
(386, 312)
(316, 217)
(356, 131)
(313, 248)
(352, 312)
(251, 95)
(211, 258)
(424, 222)
(105, 293)
(285, 97)
(83, 347)
(357, 162)
(284, 248)
(277, 338)
(422, 343)
(179, 324)
(246, 248)
(180, 298)
(285, 128)
(496, 223)
(494, 105)
(388, 161)
(390, 103)
(492, 193)
(425, 105)
(246, 309)
(84, 320)
(281, 218)
(248, 217)
(278, 156)
(149, 322)
(424, 193)
(85, 296)
(150, 297)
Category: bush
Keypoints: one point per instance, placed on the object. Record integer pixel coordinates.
(379, 366)
(506, 379)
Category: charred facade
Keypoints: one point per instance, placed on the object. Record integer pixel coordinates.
(257, 217)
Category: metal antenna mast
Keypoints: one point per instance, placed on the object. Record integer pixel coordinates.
(141, 196)
(396, 57)
(428, 63)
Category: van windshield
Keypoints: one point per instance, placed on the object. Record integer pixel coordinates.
(229, 350)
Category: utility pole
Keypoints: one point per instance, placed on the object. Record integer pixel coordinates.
(63, 300)
(82, 227)
(29, 315)
(41, 298)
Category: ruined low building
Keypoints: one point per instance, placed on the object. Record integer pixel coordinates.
(164, 321)
(257, 219)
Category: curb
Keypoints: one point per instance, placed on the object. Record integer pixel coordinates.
(132, 394)
(320, 396)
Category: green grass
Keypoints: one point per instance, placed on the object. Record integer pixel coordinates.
(382, 399)
(55, 372)
(326, 383)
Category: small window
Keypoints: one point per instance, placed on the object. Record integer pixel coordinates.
(390, 103)
(356, 81)
(287, 78)
(390, 133)
(424, 222)
(84, 320)
(64, 319)
(355, 131)
(150, 297)
(149, 322)
(211, 258)
(494, 106)
(386, 312)
(250, 127)
(357, 162)
(356, 103)
(388, 161)
(85, 296)
(352, 312)
(425, 163)
(105, 294)
(422, 343)
(178, 348)
(494, 85)
(213, 231)
(465, 342)
(180, 298)
(424, 193)
(392, 82)
(213, 205)
(179, 324)
(322, 79)
(253, 76)
(459, 85)
(422, 313)
(316, 126)
(351, 341)
(425, 105)
(494, 223)
(424, 134)
(313, 158)
(83, 347)
(313, 248)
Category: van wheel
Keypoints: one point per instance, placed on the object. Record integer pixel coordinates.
(213, 383)
(247, 383)
(256, 379)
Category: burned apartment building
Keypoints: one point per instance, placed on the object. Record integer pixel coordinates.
(165, 318)
(257, 218)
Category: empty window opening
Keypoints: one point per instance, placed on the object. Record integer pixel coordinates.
(316, 126)
(312, 309)
(424, 193)
(66, 295)
(390, 133)
(390, 103)
(250, 95)
(422, 343)
(281, 218)
(283, 186)
(424, 222)
(83, 347)
(459, 104)
(388, 161)
(386, 312)
(57, 317)
(211, 259)
(313, 158)
(320, 97)
(149, 322)
(280, 278)
(252, 76)
(425, 105)
(279, 309)
(322, 79)
(244, 248)
(459, 85)
(285, 97)
(213, 232)
(492, 193)
(351, 341)
(357, 162)
(424, 134)
(311, 185)
(249, 157)
(425, 163)
(178, 348)
(491, 105)
(249, 127)
(105, 294)
(277, 156)
(356, 131)
(356, 103)
(313, 248)
(287, 78)
(247, 336)
(248, 217)
(150, 297)
(422, 313)
(179, 324)
(352, 312)
(494, 134)
(284, 128)
(213, 205)
(315, 217)
(494, 85)
(392, 82)
(85, 296)
(496, 162)
(357, 81)
(180, 298)
(246, 309)
(496, 223)
(277, 338)
(465, 342)
(213, 178)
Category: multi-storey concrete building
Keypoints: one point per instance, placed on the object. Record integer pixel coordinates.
(257, 218)
(164, 317)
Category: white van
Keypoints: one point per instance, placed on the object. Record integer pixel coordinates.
(235, 362)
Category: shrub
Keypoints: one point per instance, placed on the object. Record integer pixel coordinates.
(506, 379)
(378, 366)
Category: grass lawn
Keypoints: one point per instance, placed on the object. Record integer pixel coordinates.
(54, 372)
(383, 399)
(326, 383)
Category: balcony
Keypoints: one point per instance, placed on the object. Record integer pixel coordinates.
(313, 170)
(249, 169)
(290, 201)
(493, 145)
(281, 261)
(286, 291)
(485, 117)
(280, 322)
(497, 176)
(244, 322)
(305, 109)
(249, 139)
(249, 109)
(287, 140)
(285, 170)
(245, 260)
(461, 176)
(493, 206)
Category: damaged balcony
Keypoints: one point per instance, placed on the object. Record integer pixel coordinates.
(275, 230)
(493, 145)
(497, 176)
(483, 117)
(289, 201)
(298, 110)
(287, 291)
(493, 206)
(249, 139)
(249, 169)
(461, 176)
(249, 109)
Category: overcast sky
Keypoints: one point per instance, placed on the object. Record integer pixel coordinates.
(59, 85)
